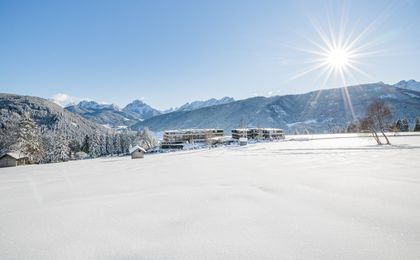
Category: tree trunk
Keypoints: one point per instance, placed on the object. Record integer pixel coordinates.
(386, 138)
(375, 135)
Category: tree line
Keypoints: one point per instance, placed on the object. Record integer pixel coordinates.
(45, 145)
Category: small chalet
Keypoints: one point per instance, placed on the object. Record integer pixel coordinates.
(13, 159)
(137, 152)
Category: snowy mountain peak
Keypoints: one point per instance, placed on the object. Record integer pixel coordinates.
(140, 110)
(137, 102)
(410, 85)
(92, 105)
(206, 103)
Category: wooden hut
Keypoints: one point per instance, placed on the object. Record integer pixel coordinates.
(13, 159)
(137, 152)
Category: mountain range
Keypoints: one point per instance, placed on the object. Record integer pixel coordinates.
(133, 113)
(317, 111)
(411, 85)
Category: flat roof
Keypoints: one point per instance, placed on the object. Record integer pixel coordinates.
(257, 128)
(192, 130)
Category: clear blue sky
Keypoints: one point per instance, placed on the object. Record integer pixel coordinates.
(171, 52)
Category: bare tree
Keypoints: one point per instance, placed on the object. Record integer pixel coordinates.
(145, 139)
(378, 113)
(367, 124)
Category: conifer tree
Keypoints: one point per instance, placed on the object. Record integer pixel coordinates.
(86, 145)
(417, 126)
(28, 140)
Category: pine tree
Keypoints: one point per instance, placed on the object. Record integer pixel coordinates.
(116, 144)
(417, 126)
(28, 140)
(57, 148)
(108, 145)
(95, 146)
(8, 132)
(74, 147)
(86, 144)
(102, 145)
(402, 125)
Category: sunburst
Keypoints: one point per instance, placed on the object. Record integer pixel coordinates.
(339, 53)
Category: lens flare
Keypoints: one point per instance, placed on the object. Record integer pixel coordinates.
(338, 58)
(337, 53)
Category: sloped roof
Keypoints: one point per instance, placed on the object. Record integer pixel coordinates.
(135, 148)
(15, 155)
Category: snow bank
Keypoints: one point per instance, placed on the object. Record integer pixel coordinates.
(318, 199)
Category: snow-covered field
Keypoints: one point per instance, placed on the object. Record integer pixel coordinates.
(344, 198)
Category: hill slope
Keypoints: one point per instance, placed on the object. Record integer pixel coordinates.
(109, 115)
(57, 125)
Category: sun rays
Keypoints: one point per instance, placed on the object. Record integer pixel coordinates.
(337, 55)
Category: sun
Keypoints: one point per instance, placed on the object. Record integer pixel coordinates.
(337, 53)
(338, 58)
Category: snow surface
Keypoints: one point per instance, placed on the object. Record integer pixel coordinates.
(321, 198)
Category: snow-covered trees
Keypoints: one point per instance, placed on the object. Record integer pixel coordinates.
(145, 139)
(47, 133)
(56, 147)
(8, 132)
(402, 125)
(417, 125)
(85, 147)
(74, 147)
(28, 141)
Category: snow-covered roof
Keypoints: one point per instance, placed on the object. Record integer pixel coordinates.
(15, 155)
(135, 148)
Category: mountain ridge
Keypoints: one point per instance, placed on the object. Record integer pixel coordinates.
(112, 116)
(318, 110)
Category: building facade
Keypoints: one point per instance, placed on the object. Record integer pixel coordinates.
(178, 138)
(258, 133)
(13, 159)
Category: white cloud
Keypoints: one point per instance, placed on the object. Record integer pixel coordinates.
(64, 100)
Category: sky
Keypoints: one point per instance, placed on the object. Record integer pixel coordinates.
(171, 52)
